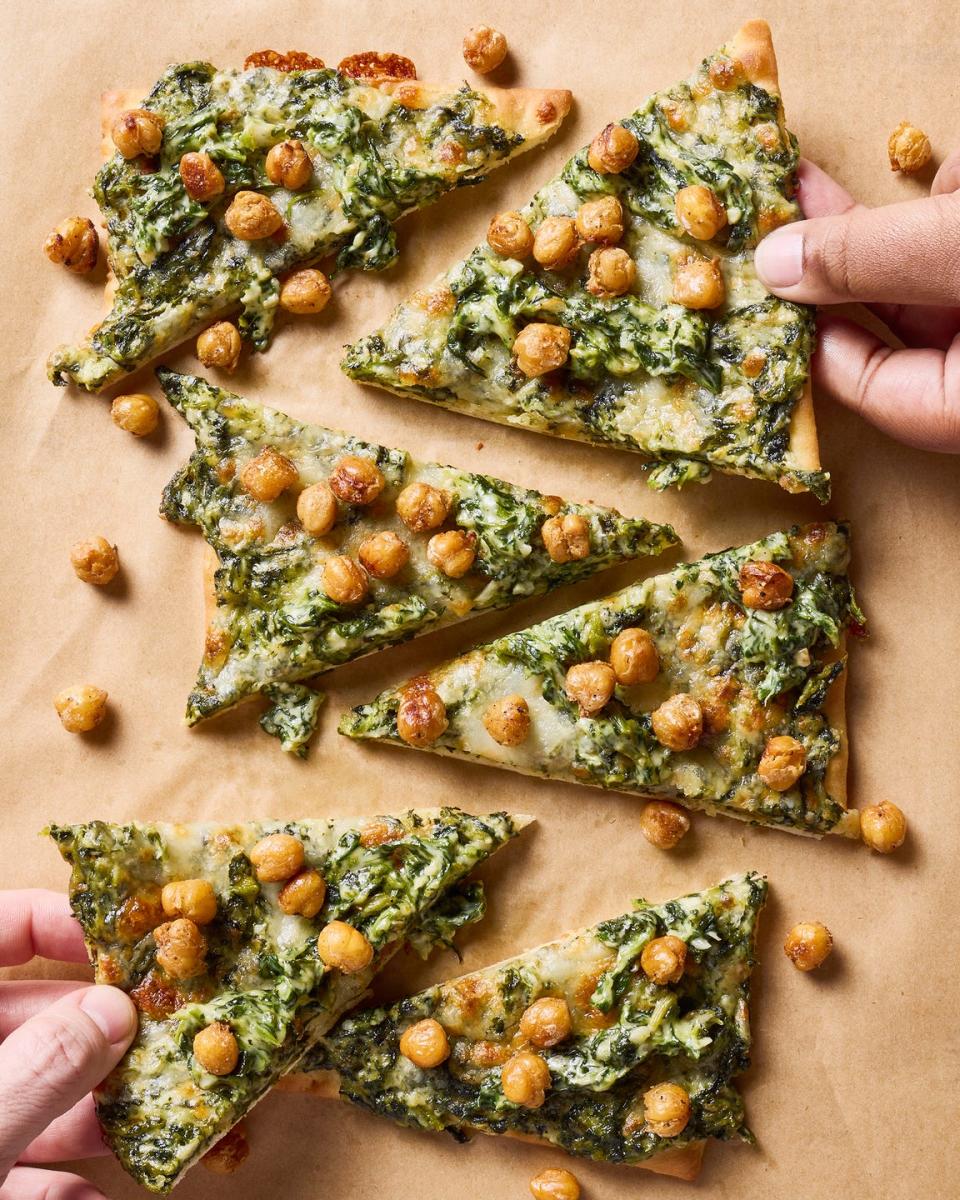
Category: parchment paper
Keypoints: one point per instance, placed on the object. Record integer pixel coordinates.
(853, 1091)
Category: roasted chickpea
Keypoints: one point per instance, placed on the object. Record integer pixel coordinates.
(138, 131)
(546, 1022)
(664, 959)
(215, 1048)
(508, 720)
(317, 509)
(883, 826)
(725, 73)
(304, 894)
(600, 220)
(268, 475)
(137, 413)
(783, 761)
(251, 217)
(678, 722)
(613, 150)
(909, 149)
(344, 948)
(510, 235)
(344, 580)
(220, 346)
(289, 165)
(612, 272)
(484, 49)
(425, 1044)
(181, 948)
(230, 1153)
(540, 348)
(767, 134)
(525, 1079)
(666, 1109)
(421, 506)
(191, 898)
(305, 292)
(421, 715)
(356, 480)
(663, 824)
(383, 554)
(753, 362)
(699, 212)
(808, 945)
(74, 244)
(202, 178)
(590, 685)
(554, 1183)
(453, 552)
(698, 282)
(81, 708)
(765, 585)
(566, 538)
(277, 857)
(555, 244)
(94, 560)
(634, 657)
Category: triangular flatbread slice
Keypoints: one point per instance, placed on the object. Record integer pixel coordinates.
(612, 1012)
(647, 327)
(437, 545)
(278, 929)
(378, 150)
(718, 685)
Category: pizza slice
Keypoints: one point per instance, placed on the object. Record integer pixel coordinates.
(241, 944)
(619, 1043)
(329, 548)
(205, 214)
(621, 305)
(718, 685)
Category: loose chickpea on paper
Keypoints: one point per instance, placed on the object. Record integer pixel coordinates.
(525, 1079)
(590, 685)
(230, 1153)
(305, 292)
(678, 722)
(908, 148)
(611, 272)
(546, 1022)
(136, 413)
(81, 708)
(883, 826)
(181, 948)
(252, 217)
(555, 1183)
(425, 1044)
(202, 178)
(344, 948)
(508, 720)
(567, 537)
(277, 857)
(191, 898)
(666, 1109)
(421, 715)
(422, 507)
(664, 959)
(453, 552)
(74, 244)
(510, 235)
(808, 945)
(95, 561)
(484, 49)
(664, 824)
(215, 1048)
(289, 165)
(220, 346)
(138, 131)
(540, 348)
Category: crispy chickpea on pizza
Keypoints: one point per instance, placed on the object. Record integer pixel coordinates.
(249, 951)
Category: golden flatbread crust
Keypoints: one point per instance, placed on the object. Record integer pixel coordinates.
(534, 113)
(752, 45)
(682, 1162)
(804, 448)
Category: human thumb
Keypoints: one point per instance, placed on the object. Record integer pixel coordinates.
(905, 253)
(51, 1061)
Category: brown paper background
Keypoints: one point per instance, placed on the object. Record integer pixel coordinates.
(853, 1090)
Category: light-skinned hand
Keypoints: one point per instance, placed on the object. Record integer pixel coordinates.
(57, 1041)
(903, 261)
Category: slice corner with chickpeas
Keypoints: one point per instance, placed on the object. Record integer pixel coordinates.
(621, 307)
(330, 548)
(590, 1022)
(717, 687)
(242, 944)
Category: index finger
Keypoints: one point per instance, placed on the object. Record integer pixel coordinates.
(34, 921)
(819, 194)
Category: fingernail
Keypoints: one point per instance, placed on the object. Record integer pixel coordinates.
(112, 1011)
(779, 258)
